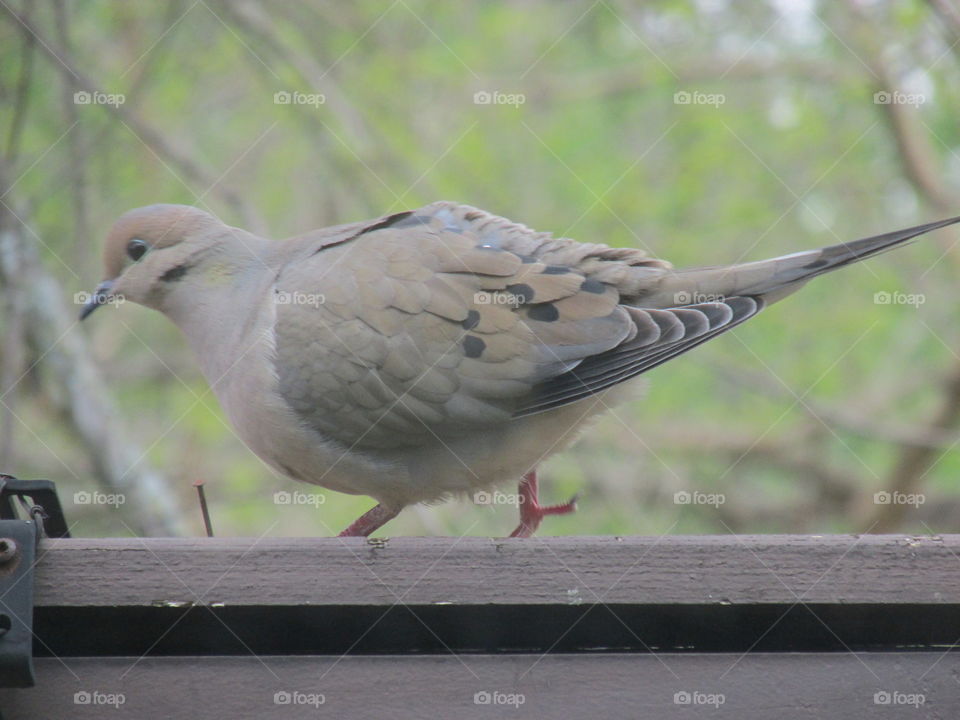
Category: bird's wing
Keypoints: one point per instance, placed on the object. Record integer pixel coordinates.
(442, 321)
(448, 319)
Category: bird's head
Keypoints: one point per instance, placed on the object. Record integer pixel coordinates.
(150, 250)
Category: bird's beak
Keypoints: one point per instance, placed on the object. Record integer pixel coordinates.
(100, 296)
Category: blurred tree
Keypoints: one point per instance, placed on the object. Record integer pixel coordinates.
(705, 132)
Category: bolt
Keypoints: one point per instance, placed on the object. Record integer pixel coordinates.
(8, 550)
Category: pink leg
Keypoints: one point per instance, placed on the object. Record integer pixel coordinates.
(372, 519)
(531, 512)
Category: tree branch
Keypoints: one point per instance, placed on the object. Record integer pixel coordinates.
(82, 400)
(64, 63)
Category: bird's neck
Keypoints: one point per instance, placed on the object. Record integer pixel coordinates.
(222, 308)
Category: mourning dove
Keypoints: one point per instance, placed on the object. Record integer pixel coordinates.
(429, 353)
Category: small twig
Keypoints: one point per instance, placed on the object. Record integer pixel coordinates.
(22, 96)
(918, 158)
(916, 461)
(63, 62)
(75, 389)
(76, 164)
(949, 16)
(917, 154)
(202, 495)
(790, 455)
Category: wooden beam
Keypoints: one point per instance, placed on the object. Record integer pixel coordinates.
(840, 686)
(685, 570)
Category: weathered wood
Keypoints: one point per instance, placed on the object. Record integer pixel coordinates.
(216, 628)
(422, 571)
(796, 686)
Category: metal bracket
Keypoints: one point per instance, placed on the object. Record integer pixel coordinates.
(18, 541)
(18, 548)
(45, 509)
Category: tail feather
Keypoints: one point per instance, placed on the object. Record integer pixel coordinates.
(777, 277)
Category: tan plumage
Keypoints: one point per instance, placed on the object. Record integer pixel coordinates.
(431, 352)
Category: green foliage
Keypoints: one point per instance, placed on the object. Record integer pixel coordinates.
(796, 155)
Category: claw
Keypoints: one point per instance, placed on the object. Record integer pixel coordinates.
(531, 512)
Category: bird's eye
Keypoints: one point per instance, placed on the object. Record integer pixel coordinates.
(136, 249)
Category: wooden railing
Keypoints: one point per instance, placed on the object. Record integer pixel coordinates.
(601, 627)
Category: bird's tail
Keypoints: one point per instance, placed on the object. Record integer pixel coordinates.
(777, 277)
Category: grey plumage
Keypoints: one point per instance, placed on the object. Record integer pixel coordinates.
(430, 352)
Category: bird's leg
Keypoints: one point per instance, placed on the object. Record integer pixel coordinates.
(531, 512)
(373, 519)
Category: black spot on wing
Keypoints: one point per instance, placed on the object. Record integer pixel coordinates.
(522, 292)
(543, 312)
(473, 346)
(593, 286)
(556, 270)
(471, 321)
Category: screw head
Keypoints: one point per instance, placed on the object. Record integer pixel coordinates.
(8, 549)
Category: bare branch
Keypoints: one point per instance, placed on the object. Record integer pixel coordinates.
(22, 94)
(82, 398)
(76, 162)
(64, 63)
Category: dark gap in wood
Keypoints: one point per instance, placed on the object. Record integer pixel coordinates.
(438, 629)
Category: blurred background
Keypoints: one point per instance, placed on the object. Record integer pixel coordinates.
(706, 132)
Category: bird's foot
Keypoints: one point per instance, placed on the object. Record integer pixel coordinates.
(531, 512)
(373, 519)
